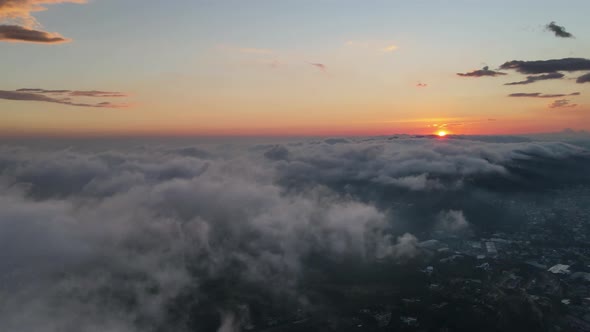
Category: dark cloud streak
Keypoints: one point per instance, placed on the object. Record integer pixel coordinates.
(41, 91)
(547, 66)
(583, 79)
(76, 93)
(320, 66)
(62, 97)
(485, 71)
(558, 30)
(16, 33)
(541, 95)
(533, 79)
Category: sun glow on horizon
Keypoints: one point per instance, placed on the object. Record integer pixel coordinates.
(441, 133)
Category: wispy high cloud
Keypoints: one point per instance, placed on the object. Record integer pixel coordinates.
(558, 30)
(533, 79)
(63, 97)
(245, 50)
(320, 66)
(17, 33)
(485, 71)
(547, 66)
(383, 46)
(584, 78)
(21, 26)
(94, 93)
(252, 50)
(562, 103)
(541, 95)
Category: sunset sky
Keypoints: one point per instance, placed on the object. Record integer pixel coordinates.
(276, 67)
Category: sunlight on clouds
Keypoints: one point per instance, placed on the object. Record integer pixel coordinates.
(20, 10)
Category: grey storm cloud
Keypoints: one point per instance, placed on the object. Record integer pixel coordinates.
(558, 30)
(562, 103)
(16, 33)
(485, 71)
(62, 97)
(533, 79)
(542, 95)
(583, 79)
(547, 66)
(111, 236)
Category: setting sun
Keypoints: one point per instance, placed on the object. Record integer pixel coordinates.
(441, 133)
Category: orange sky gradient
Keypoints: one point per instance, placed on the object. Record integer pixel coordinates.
(207, 70)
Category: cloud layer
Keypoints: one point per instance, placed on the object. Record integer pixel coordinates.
(129, 236)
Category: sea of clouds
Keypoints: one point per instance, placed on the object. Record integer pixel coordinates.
(108, 235)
